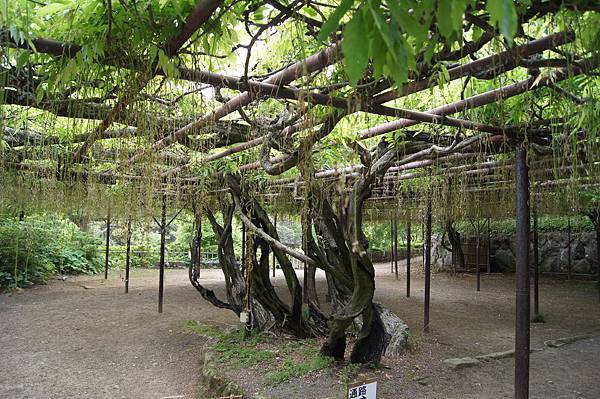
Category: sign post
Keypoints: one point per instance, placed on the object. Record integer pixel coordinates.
(363, 389)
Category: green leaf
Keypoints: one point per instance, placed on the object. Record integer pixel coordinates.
(334, 19)
(449, 16)
(355, 48)
(52, 8)
(503, 14)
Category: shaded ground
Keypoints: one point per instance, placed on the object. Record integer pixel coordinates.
(63, 340)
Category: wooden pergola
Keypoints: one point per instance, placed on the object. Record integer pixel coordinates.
(488, 159)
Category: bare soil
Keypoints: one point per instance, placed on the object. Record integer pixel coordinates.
(85, 338)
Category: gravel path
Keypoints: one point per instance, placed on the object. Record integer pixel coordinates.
(63, 340)
(84, 338)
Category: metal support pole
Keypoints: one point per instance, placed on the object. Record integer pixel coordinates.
(161, 274)
(305, 273)
(408, 255)
(107, 251)
(569, 248)
(128, 255)
(423, 241)
(396, 247)
(536, 265)
(243, 249)
(489, 247)
(427, 257)
(597, 228)
(392, 246)
(477, 270)
(522, 276)
(275, 224)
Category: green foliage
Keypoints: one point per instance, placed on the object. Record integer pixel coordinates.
(233, 345)
(392, 34)
(236, 351)
(507, 227)
(539, 318)
(349, 372)
(503, 14)
(313, 361)
(33, 249)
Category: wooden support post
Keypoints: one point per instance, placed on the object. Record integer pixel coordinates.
(408, 255)
(273, 253)
(396, 247)
(427, 258)
(477, 269)
(107, 249)
(128, 255)
(161, 273)
(536, 263)
(522, 276)
(569, 248)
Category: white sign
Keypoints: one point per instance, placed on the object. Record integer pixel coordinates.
(363, 390)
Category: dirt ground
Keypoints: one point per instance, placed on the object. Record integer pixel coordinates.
(85, 338)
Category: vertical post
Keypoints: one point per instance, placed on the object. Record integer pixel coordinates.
(396, 247)
(489, 247)
(423, 241)
(107, 250)
(569, 248)
(305, 272)
(128, 255)
(536, 261)
(275, 224)
(522, 276)
(408, 255)
(477, 270)
(597, 228)
(427, 258)
(392, 246)
(161, 273)
(198, 243)
(243, 249)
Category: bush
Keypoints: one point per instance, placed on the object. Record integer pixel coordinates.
(39, 246)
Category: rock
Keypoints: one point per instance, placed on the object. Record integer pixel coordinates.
(461, 363)
(557, 343)
(578, 250)
(504, 260)
(582, 266)
(397, 331)
(496, 355)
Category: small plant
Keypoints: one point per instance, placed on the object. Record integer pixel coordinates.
(313, 361)
(233, 345)
(348, 373)
(538, 318)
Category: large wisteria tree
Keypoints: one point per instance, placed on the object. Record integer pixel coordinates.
(244, 109)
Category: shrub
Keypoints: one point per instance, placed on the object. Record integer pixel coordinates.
(40, 245)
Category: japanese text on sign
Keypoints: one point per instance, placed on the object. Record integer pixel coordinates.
(363, 390)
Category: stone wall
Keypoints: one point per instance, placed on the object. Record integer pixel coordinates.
(553, 253)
